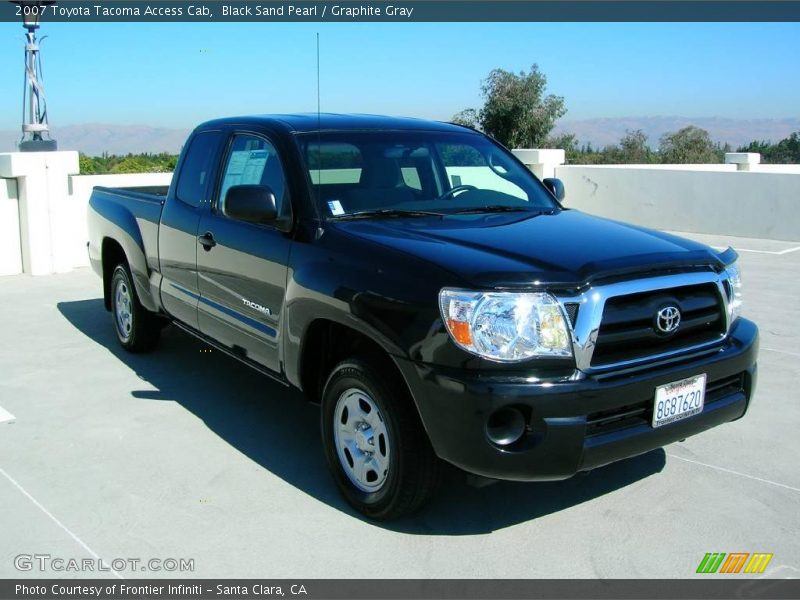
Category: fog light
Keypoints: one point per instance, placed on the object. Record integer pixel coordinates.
(505, 426)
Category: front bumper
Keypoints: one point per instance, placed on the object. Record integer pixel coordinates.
(575, 424)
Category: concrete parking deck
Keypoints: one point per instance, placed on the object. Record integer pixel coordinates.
(185, 453)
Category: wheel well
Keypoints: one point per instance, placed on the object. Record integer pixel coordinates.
(327, 343)
(112, 255)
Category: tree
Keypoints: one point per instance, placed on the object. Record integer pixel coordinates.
(130, 164)
(761, 147)
(633, 148)
(516, 110)
(86, 164)
(467, 117)
(787, 151)
(566, 142)
(690, 145)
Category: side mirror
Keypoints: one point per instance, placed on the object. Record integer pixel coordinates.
(251, 203)
(556, 187)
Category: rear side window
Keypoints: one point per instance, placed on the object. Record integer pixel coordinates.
(197, 168)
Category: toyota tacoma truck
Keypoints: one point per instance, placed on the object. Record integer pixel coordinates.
(432, 295)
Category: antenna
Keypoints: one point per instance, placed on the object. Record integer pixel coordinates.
(318, 103)
(319, 135)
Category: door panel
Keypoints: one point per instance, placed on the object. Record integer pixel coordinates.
(177, 232)
(178, 249)
(242, 277)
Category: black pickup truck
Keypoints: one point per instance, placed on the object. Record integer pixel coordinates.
(432, 295)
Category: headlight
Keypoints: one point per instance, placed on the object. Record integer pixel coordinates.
(734, 291)
(505, 326)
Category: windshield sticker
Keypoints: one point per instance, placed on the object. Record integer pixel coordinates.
(335, 207)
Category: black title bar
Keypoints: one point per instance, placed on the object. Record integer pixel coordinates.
(132, 11)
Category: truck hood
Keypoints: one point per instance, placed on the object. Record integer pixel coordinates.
(567, 248)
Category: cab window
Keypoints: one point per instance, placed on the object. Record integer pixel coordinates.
(197, 168)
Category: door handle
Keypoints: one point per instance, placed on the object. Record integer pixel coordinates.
(207, 240)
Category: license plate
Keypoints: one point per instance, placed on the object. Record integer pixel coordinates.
(679, 400)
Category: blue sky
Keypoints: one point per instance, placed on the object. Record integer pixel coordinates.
(177, 75)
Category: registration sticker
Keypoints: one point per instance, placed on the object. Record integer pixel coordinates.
(335, 207)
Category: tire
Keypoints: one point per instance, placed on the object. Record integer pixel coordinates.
(137, 329)
(398, 472)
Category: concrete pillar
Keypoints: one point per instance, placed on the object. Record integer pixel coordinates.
(743, 160)
(42, 189)
(543, 163)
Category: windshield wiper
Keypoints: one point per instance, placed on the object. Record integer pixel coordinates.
(494, 208)
(387, 212)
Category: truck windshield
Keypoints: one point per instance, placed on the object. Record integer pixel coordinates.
(417, 173)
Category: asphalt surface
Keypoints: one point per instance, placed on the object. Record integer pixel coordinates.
(186, 454)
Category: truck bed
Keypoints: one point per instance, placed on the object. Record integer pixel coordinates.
(156, 193)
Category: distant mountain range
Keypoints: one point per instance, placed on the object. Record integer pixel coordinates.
(736, 132)
(94, 139)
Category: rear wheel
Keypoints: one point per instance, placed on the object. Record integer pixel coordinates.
(137, 329)
(376, 447)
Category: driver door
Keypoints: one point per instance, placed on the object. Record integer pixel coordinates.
(242, 267)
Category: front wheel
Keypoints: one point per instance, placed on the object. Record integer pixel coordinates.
(137, 329)
(376, 447)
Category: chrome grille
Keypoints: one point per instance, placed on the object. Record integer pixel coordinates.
(628, 331)
(619, 338)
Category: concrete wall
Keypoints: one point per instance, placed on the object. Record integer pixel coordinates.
(10, 248)
(43, 204)
(795, 169)
(723, 168)
(738, 203)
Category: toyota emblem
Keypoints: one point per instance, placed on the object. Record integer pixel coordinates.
(668, 319)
